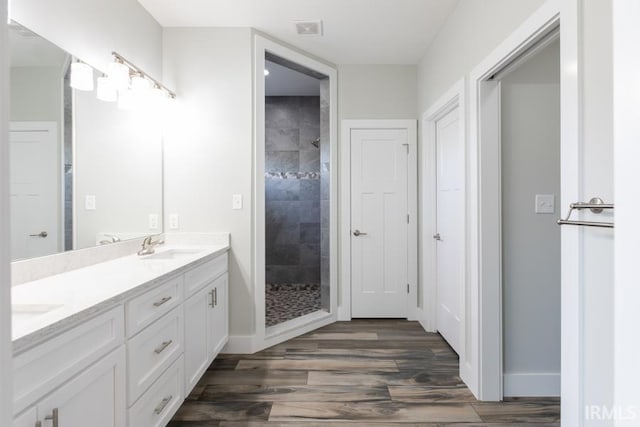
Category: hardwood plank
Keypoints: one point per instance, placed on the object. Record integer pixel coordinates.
(382, 378)
(372, 412)
(319, 364)
(228, 411)
(333, 424)
(431, 394)
(252, 393)
(255, 377)
(356, 336)
(396, 354)
(363, 344)
(518, 412)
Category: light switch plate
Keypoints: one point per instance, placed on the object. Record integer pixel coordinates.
(237, 202)
(153, 221)
(90, 202)
(174, 222)
(545, 203)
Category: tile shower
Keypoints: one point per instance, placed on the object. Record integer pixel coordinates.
(296, 206)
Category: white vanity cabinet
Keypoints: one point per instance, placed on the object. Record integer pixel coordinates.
(131, 365)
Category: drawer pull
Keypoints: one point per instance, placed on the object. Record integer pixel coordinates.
(53, 417)
(162, 405)
(215, 297)
(162, 301)
(162, 346)
(212, 303)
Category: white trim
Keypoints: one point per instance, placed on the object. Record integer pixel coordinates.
(532, 385)
(453, 98)
(6, 357)
(239, 344)
(413, 312)
(261, 46)
(484, 281)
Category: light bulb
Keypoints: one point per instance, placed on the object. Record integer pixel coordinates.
(81, 76)
(266, 72)
(119, 75)
(106, 91)
(139, 84)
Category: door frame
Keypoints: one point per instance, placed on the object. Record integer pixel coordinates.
(453, 98)
(264, 338)
(484, 240)
(347, 126)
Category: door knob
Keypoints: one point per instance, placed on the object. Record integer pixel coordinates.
(358, 233)
(437, 236)
(42, 234)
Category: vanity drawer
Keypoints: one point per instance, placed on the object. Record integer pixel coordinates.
(45, 367)
(161, 401)
(199, 276)
(153, 350)
(146, 308)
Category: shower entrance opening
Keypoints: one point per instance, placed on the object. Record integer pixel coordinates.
(294, 210)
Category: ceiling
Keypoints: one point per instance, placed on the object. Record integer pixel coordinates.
(355, 31)
(283, 81)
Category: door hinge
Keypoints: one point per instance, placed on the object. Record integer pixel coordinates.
(408, 288)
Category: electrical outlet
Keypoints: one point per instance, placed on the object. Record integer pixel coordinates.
(545, 204)
(153, 221)
(237, 201)
(90, 202)
(174, 222)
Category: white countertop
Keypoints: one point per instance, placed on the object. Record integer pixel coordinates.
(84, 292)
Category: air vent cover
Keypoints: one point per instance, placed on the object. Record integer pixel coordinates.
(309, 28)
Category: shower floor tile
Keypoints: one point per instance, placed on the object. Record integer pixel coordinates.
(286, 302)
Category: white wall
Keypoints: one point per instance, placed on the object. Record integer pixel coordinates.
(208, 155)
(472, 31)
(118, 159)
(92, 29)
(6, 363)
(36, 94)
(597, 179)
(626, 37)
(530, 104)
(377, 91)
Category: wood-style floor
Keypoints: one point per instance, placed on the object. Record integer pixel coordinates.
(365, 372)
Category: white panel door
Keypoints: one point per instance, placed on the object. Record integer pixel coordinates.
(450, 244)
(379, 249)
(35, 192)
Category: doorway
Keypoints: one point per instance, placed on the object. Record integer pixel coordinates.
(295, 201)
(379, 214)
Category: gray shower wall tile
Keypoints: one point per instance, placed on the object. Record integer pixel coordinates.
(309, 189)
(282, 213)
(310, 210)
(283, 254)
(310, 160)
(310, 254)
(282, 139)
(308, 134)
(309, 232)
(282, 190)
(282, 161)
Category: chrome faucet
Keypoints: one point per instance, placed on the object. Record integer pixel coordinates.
(149, 245)
(112, 239)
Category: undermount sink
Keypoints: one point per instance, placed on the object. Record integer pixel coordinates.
(171, 254)
(31, 311)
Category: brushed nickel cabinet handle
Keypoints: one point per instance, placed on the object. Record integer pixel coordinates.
(162, 301)
(211, 301)
(53, 417)
(163, 346)
(42, 234)
(162, 405)
(215, 297)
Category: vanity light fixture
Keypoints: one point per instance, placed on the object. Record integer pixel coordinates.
(81, 76)
(106, 91)
(119, 75)
(139, 75)
(126, 99)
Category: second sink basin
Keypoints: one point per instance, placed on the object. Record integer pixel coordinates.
(170, 254)
(31, 311)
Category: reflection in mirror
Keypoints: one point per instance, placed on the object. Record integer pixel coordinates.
(83, 172)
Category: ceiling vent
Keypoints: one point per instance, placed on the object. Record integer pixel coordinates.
(309, 28)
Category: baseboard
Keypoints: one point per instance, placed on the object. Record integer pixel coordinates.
(424, 321)
(239, 344)
(532, 385)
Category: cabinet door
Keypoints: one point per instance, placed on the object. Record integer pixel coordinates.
(95, 397)
(27, 419)
(196, 317)
(218, 320)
